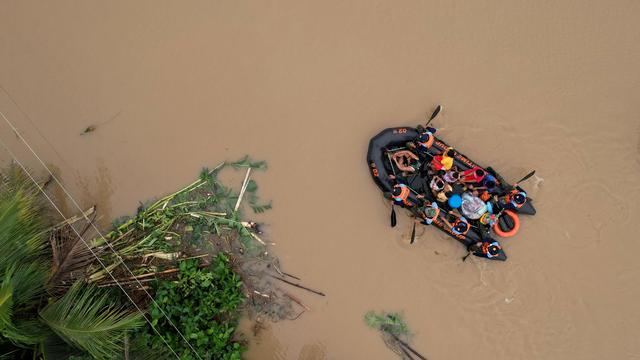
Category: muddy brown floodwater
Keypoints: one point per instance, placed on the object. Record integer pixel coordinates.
(551, 86)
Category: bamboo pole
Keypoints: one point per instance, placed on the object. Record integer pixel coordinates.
(243, 189)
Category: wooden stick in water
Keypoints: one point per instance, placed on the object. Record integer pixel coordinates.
(407, 346)
(296, 300)
(297, 285)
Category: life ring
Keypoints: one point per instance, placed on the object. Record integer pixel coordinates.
(512, 218)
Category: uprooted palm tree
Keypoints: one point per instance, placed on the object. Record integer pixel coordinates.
(35, 318)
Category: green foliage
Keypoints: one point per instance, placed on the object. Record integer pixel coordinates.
(86, 317)
(21, 230)
(246, 162)
(392, 323)
(202, 304)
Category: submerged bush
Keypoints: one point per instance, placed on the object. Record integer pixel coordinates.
(202, 304)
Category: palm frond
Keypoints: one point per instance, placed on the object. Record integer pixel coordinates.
(71, 258)
(87, 319)
(21, 230)
(27, 332)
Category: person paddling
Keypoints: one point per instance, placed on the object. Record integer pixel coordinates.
(513, 200)
(459, 225)
(401, 194)
(429, 213)
(488, 249)
(424, 141)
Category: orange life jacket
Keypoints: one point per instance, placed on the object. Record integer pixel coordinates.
(508, 199)
(404, 195)
(486, 246)
(456, 223)
(427, 144)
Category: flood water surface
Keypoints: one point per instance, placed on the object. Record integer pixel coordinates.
(171, 87)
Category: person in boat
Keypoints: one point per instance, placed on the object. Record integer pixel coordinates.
(486, 222)
(405, 160)
(429, 213)
(451, 176)
(458, 224)
(474, 175)
(490, 182)
(513, 200)
(423, 142)
(488, 249)
(444, 161)
(440, 189)
(401, 194)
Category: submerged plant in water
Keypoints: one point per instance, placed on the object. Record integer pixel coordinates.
(394, 331)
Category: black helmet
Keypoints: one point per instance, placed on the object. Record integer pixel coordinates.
(396, 191)
(461, 226)
(519, 198)
(494, 250)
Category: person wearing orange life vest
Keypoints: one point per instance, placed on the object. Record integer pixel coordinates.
(401, 195)
(513, 200)
(423, 142)
(459, 226)
(488, 249)
(443, 161)
(429, 213)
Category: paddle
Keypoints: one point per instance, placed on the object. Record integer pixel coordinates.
(393, 215)
(413, 233)
(464, 258)
(393, 207)
(433, 116)
(525, 178)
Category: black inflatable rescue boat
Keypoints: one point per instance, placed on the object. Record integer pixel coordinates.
(381, 167)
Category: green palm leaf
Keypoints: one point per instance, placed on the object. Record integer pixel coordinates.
(26, 332)
(21, 232)
(86, 318)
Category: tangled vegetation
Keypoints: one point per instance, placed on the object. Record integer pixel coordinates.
(188, 256)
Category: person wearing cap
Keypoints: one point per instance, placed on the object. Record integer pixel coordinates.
(429, 213)
(459, 225)
(443, 161)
